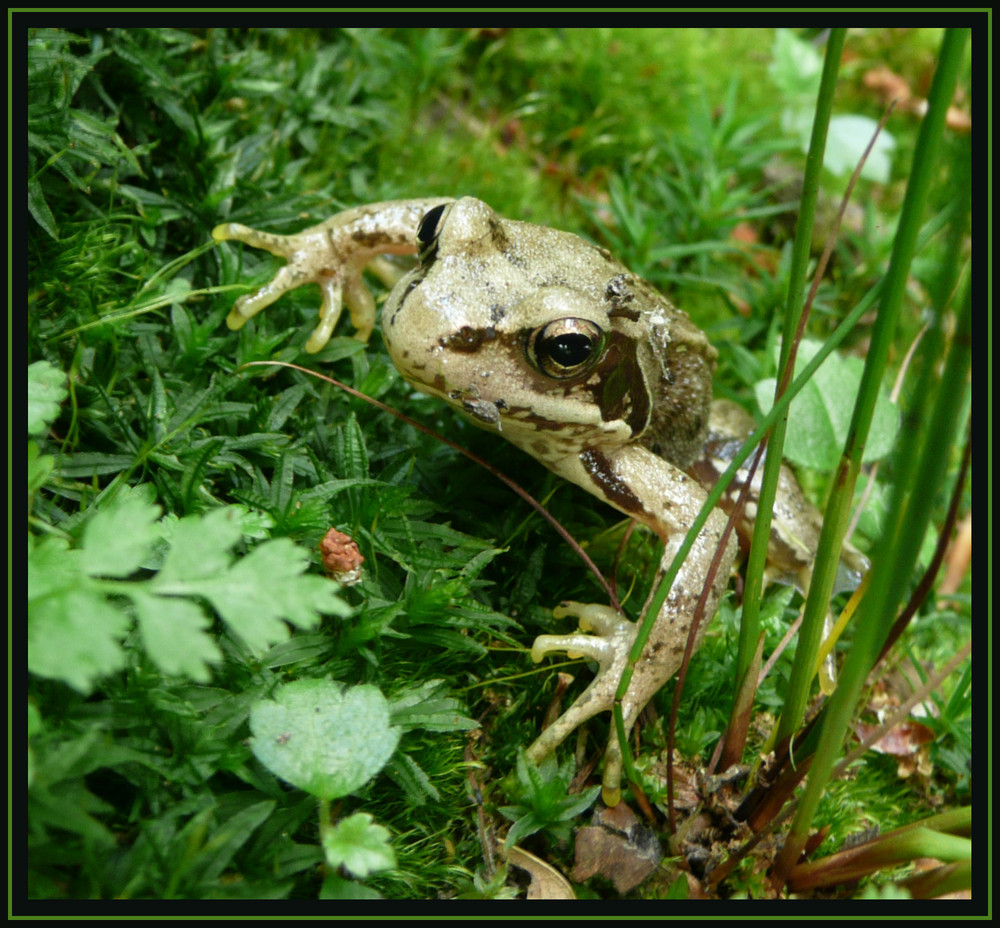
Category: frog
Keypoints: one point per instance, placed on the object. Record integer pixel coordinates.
(547, 340)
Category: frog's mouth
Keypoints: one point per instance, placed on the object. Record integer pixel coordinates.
(484, 412)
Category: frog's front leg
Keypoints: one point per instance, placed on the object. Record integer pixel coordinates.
(332, 255)
(650, 489)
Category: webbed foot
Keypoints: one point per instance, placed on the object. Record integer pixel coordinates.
(605, 637)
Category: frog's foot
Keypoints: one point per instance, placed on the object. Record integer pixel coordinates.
(312, 258)
(609, 644)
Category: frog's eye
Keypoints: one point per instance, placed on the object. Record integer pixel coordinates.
(427, 232)
(565, 347)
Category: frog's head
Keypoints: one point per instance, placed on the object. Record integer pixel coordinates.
(546, 339)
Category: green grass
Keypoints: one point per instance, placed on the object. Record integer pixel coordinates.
(150, 647)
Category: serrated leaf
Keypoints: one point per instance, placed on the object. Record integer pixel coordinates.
(323, 739)
(352, 452)
(404, 771)
(46, 391)
(820, 415)
(75, 637)
(359, 845)
(173, 633)
(419, 707)
(88, 464)
(118, 536)
(574, 805)
(268, 586)
(298, 649)
(282, 479)
(433, 714)
(52, 566)
(199, 546)
(283, 405)
(39, 467)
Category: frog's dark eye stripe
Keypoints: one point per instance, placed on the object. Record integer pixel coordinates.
(427, 233)
(565, 348)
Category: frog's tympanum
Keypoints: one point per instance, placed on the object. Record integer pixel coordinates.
(548, 341)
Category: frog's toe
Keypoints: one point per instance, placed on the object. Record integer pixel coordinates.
(248, 305)
(361, 304)
(576, 645)
(281, 245)
(330, 309)
(593, 617)
(604, 636)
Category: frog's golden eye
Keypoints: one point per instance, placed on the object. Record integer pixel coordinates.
(565, 347)
(427, 233)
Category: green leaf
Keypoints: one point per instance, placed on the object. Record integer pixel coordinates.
(284, 405)
(46, 391)
(420, 708)
(35, 727)
(322, 738)
(359, 845)
(173, 633)
(543, 800)
(524, 825)
(796, 66)
(72, 808)
(75, 636)
(117, 538)
(848, 138)
(821, 414)
(351, 450)
(39, 467)
(223, 844)
(679, 889)
(404, 771)
(336, 887)
(199, 546)
(39, 209)
(265, 587)
(796, 70)
(88, 464)
(75, 630)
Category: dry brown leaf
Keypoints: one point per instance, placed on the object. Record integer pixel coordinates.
(889, 87)
(905, 738)
(546, 881)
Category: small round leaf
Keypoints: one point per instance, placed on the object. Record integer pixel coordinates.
(324, 738)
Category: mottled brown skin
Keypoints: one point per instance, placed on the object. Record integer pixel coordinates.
(548, 341)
